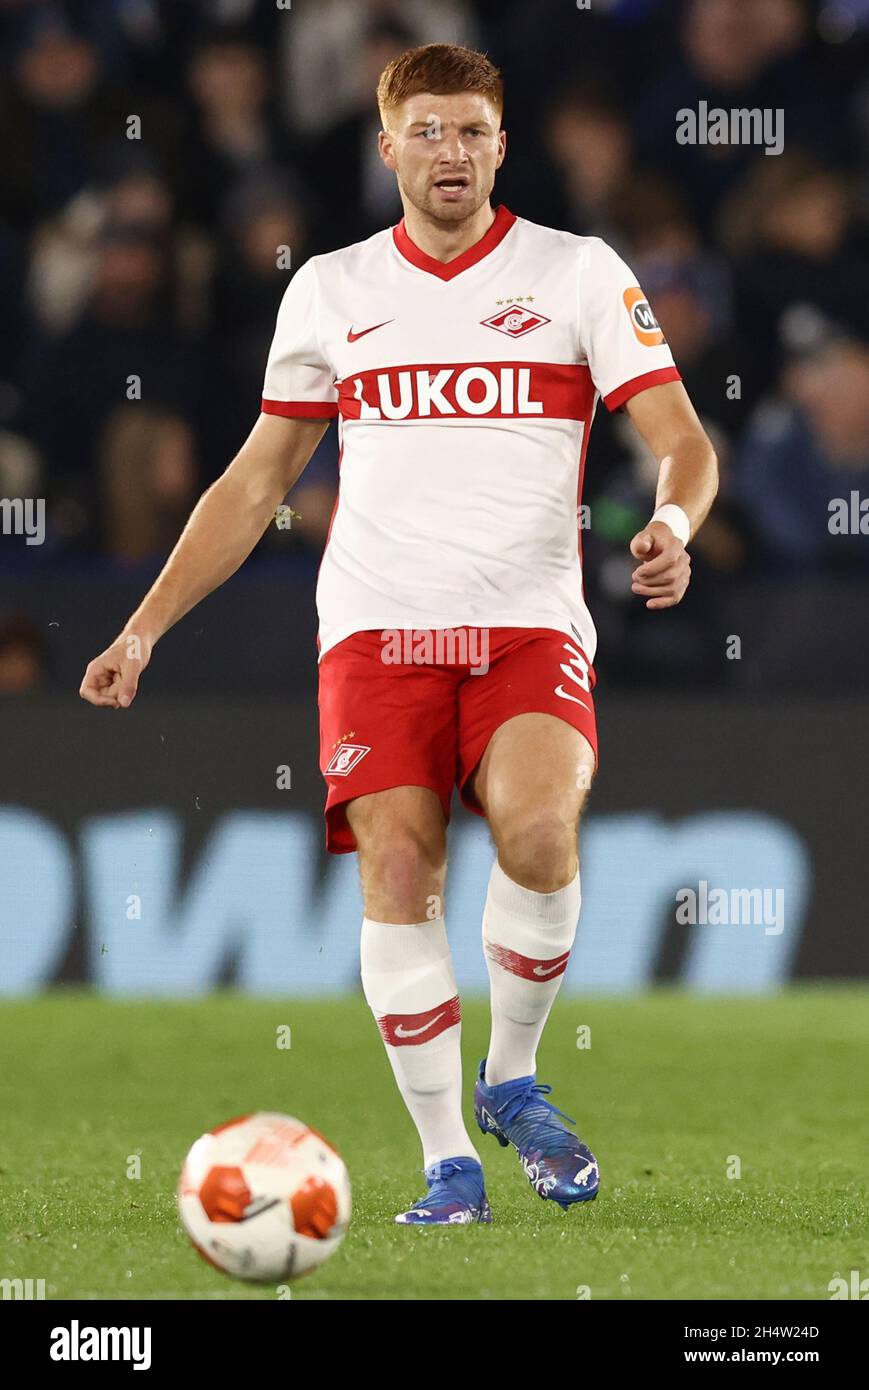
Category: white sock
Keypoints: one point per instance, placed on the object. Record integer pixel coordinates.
(408, 980)
(527, 938)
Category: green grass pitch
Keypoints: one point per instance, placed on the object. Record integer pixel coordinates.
(670, 1090)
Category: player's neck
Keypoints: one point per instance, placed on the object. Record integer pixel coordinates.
(445, 241)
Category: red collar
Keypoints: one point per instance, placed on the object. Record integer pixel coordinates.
(446, 270)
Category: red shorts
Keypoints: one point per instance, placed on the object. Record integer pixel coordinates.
(420, 710)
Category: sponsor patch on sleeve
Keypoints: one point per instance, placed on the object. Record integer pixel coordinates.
(643, 321)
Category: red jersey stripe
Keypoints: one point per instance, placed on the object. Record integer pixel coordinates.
(640, 383)
(468, 391)
(301, 410)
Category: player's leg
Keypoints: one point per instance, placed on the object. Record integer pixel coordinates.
(408, 980)
(527, 748)
(532, 783)
(401, 841)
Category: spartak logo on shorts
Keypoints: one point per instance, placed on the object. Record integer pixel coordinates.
(345, 758)
(515, 321)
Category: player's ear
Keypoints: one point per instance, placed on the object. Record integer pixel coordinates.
(502, 147)
(386, 148)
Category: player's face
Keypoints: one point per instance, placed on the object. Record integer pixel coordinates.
(445, 151)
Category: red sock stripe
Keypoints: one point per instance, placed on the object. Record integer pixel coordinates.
(409, 1030)
(538, 970)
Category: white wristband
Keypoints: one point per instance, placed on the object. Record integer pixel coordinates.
(676, 519)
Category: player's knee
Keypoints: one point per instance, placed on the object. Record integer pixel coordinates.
(537, 847)
(403, 876)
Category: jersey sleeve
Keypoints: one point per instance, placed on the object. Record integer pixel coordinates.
(299, 382)
(619, 334)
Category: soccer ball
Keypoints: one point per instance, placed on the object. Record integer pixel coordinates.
(264, 1197)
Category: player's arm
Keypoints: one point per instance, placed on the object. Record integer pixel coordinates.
(687, 483)
(222, 530)
(632, 367)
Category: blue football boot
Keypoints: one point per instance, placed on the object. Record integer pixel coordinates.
(557, 1164)
(456, 1196)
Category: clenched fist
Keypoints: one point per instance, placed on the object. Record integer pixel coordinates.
(665, 573)
(112, 678)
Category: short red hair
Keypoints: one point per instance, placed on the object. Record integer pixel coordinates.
(443, 69)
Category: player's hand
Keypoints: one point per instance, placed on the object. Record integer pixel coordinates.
(665, 572)
(112, 678)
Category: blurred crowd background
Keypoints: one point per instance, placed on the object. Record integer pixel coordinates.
(147, 248)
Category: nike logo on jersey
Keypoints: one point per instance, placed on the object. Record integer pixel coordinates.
(402, 1032)
(560, 690)
(353, 337)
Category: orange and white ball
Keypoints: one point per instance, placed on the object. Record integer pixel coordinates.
(264, 1197)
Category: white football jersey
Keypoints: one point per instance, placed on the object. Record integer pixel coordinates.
(465, 393)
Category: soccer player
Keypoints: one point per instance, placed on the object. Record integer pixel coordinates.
(464, 351)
